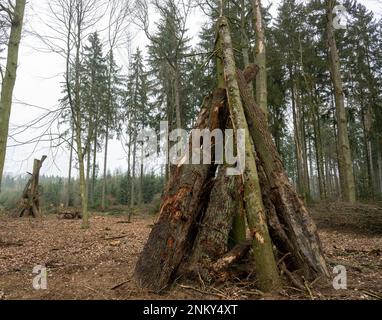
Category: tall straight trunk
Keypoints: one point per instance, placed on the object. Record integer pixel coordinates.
(299, 132)
(88, 169)
(260, 58)
(291, 227)
(297, 139)
(319, 152)
(141, 177)
(78, 128)
(328, 181)
(314, 119)
(104, 182)
(178, 111)
(367, 127)
(69, 186)
(305, 147)
(310, 160)
(9, 79)
(93, 183)
(238, 232)
(336, 179)
(244, 38)
(264, 260)
(129, 161)
(108, 120)
(132, 182)
(344, 153)
(380, 166)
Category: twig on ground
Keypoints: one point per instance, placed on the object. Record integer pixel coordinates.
(116, 238)
(306, 284)
(203, 292)
(96, 291)
(372, 294)
(120, 285)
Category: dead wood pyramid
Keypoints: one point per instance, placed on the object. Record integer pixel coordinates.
(203, 209)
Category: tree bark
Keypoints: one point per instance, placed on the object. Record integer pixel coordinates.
(132, 182)
(260, 58)
(184, 202)
(69, 186)
(94, 167)
(245, 45)
(301, 187)
(141, 176)
(30, 203)
(214, 227)
(104, 182)
(265, 264)
(292, 229)
(236, 254)
(238, 232)
(380, 165)
(77, 120)
(9, 80)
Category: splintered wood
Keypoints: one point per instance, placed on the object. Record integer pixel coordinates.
(30, 201)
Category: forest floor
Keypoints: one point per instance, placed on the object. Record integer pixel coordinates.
(98, 263)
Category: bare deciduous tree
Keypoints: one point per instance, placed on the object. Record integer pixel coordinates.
(15, 14)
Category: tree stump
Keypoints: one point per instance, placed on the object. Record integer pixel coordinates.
(30, 200)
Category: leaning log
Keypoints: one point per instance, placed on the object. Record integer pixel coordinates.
(185, 200)
(233, 256)
(264, 260)
(293, 229)
(214, 228)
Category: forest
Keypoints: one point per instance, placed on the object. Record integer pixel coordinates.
(289, 91)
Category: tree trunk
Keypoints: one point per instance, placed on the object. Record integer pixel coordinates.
(238, 232)
(214, 227)
(69, 186)
(264, 260)
(260, 58)
(94, 166)
(88, 168)
(132, 182)
(344, 154)
(177, 97)
(141, 176)
(297, 138)
(77, 120)
(30, 203)
(367, 127)
(104, 182)
(245, 45)
(9, 80)
(184, 201)
(380, 166)
(292, 228)
(306, 176)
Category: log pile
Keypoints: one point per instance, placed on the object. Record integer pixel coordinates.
(206, 215)
(29, 204)
(69, 213)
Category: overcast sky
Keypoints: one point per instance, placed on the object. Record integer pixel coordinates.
(38, 88)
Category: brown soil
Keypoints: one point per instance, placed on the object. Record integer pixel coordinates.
(98, 263)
